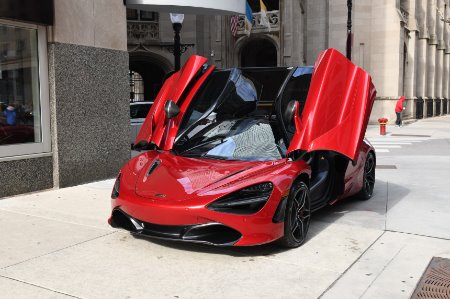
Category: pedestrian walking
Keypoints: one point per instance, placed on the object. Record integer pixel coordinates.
(398, 111)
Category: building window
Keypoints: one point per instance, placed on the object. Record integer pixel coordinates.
(24, 106)
(136, 87)
(141, 15)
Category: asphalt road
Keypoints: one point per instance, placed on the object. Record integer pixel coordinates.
(57, 244)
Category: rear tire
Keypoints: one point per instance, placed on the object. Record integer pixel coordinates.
(297, 216)
(368, 178)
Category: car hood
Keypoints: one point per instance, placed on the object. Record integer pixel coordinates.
(168, 177)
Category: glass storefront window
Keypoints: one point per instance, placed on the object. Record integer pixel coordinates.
(23, 94)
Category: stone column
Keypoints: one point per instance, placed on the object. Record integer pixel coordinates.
(421, 49)
(431, 51)
(439, 76)
(216, 54)
(439, 54)
(89, 92)
(409, 86)
(445, 79)
(317, 19)
(292, 34)
(446, 75)
(421, 66)
(431, 72)
(410, 71)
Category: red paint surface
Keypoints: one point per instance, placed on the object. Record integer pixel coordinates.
(190, 184)
(155, 124)
(334, 118)
(337, 108)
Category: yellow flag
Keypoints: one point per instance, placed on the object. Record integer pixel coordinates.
(264, 20)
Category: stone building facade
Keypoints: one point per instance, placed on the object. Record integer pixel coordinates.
(64, 77)
(68, 68)
(403, 44)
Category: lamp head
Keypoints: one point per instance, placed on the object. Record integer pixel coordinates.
(176, 18)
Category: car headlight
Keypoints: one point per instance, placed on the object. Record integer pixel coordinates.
(246, 201)
(116, 188)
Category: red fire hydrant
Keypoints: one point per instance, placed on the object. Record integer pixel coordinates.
(382, 121)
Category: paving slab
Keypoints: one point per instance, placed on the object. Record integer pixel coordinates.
(391, 268)
(89, 205)
(418, 195)
(25, 237)
(90, 269)
(13, 289)
(355, 212)
(332, 247)
(121, 266)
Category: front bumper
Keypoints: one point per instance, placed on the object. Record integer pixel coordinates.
(160, 218)
(208, 233)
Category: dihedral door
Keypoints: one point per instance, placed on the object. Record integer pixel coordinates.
(337, 107)
(180, 88)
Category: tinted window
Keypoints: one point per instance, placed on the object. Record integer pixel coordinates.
(296, 89)
(226, 94)
(139, 110)
(205, 97)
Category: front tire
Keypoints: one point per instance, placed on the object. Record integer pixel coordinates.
(297, 216)
(368, 177)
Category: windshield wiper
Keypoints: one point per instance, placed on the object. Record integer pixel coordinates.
(214, 157)
(208, 141)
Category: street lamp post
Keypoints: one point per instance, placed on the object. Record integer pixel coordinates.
(177, 23)
(349, 30)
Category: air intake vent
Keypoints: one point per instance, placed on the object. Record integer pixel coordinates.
(153, 167)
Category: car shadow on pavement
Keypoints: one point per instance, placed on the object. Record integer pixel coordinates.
(369, 214)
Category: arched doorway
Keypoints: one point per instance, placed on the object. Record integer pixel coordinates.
(146, 77)
(258, 53)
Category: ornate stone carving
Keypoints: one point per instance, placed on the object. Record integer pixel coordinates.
(142, 33)
(405, 16)
(257, 26)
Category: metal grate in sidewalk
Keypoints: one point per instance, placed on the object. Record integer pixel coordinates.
(435, 282)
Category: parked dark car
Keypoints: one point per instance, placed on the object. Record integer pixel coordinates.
(138, 113)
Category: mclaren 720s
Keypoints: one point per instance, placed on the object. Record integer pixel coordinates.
(243, 156)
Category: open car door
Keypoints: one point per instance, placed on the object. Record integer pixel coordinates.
(180, 88)
(337, 107)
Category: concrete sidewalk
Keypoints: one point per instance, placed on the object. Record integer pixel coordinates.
(57, 244)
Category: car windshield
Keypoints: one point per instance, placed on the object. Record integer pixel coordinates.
(226, 119)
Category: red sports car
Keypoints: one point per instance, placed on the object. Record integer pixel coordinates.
(242, 156)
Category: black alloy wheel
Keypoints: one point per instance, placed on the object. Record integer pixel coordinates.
(369, 177)
(297, 217)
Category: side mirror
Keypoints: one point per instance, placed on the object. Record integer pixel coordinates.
(289, 113)
(171, 109)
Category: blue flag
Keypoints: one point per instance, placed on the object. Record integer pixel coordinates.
(248, 18)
